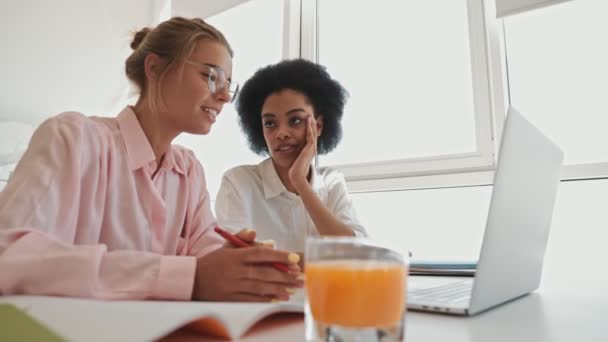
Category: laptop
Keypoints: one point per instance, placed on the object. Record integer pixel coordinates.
(511, 258)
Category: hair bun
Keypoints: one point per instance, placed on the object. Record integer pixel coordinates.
(139, 37)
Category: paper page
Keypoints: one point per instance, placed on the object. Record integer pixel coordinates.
(94, 320)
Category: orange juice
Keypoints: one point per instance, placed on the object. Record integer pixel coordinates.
(356, 293)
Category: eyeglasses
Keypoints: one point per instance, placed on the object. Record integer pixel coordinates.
(217, 80)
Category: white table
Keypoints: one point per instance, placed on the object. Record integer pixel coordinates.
(563, 315)
(570, 305)
(562, 310)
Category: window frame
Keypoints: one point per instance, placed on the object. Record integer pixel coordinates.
(491, 98)
(569, 172)
(488, 99)
(510, 7)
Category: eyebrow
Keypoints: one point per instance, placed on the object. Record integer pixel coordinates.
(289, 112)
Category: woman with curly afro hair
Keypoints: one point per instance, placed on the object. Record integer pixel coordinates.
(289, 111)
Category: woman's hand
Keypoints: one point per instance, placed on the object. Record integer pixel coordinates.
(246, 274)
(248, 235)
(298, 172)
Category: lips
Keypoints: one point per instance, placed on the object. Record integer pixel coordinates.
(286, 151)
(285, 148)
(212, 112)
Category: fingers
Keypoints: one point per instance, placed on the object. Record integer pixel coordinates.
(267, 273)
(312, 133)
(256, 255)
(267, 243)
(246, 274)
(265, 289)
(295, 268)
(248, 235)
(258, 265)
(248, 297)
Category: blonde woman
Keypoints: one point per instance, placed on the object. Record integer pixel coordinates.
(108, 208)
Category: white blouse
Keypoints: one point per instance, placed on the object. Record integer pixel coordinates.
(253, 196)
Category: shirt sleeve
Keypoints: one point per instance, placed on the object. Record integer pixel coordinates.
(201, 222)
(230, 208)
(39, 220)
(341, 204)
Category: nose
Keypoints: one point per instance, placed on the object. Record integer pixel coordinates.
(283, 133)
(222, 95)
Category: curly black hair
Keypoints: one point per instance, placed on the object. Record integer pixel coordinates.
(325, 94)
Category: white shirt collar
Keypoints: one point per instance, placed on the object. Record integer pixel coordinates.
(270, 179)
(272, 184)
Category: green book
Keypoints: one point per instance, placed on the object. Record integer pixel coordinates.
(16, 325)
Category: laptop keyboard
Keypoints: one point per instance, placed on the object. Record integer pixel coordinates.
(452, 293)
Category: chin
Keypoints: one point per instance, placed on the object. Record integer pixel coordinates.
(201, 130)
(282, 162)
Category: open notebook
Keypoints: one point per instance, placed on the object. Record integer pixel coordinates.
(94, 320)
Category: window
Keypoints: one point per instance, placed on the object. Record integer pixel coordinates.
(5, 173)
(557, 63)
(448, 224)
(407, 67)
(409, 220)
(419, 80)
(426, 83)
(255, 32)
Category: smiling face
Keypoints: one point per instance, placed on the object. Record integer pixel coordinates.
(284, 123)
(190, 105)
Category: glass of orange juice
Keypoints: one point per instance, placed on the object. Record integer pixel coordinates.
(356, 290)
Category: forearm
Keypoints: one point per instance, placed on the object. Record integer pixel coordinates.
(325, 221)
(37, 264)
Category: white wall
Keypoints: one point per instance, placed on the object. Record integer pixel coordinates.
(65, 55)
(201, 8)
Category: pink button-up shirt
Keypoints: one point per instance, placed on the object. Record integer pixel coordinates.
(82, 215)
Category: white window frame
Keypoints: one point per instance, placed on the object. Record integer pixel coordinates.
(510, 7)
(437, 171)
(292, 31)
(570, 172)
(491, 98)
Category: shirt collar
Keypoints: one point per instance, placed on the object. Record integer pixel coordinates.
(270, 179)
(139, 151)
(317, 181)
(272, 184)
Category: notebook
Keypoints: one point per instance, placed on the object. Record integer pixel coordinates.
(517, 229)
(443, 268)
(16, 325)
(95, 320)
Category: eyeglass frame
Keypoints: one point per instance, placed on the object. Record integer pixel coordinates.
(212, 84)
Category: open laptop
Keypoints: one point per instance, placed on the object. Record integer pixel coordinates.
(517, 229)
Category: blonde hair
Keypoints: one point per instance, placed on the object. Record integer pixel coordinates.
(173, 40)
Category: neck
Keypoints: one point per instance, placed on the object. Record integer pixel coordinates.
(158, 134)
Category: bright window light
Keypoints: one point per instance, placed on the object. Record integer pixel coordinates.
(407, 67)
(558, 75)
(255, 32)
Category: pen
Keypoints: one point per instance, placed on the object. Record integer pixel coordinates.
(240, 244)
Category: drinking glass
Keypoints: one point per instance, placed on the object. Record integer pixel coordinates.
(356, 290)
